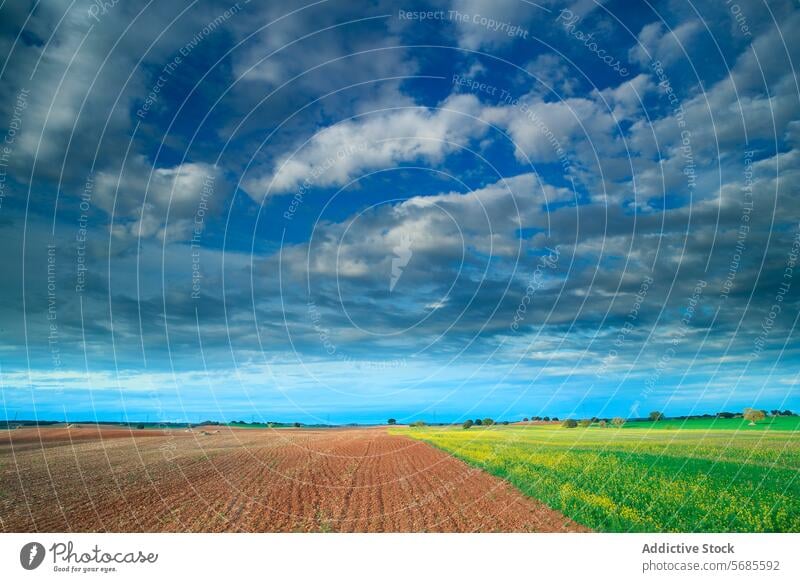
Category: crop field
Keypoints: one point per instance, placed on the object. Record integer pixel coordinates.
(218, 479)
(671, 479)
(782, 423)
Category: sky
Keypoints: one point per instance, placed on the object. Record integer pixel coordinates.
(347, 211)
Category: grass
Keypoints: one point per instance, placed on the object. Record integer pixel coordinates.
(790, 423)
(683, 476)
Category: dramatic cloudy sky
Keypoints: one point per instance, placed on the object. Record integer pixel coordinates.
(343, 211)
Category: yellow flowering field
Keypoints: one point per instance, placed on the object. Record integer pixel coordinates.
(651, 480)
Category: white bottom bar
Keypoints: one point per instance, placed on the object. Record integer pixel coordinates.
(405, 557)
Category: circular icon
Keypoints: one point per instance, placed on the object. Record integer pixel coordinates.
(31, 555)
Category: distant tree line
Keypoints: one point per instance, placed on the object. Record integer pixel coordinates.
(754, 415)
(751, 414)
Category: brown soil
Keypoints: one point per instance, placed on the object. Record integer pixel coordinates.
(63, 434)
(355, 480)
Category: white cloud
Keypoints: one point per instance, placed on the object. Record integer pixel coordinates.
(626, 100)
(142, 196)
(554, 74)
(547, 131)
(655, 42)
(341, 152)
(474, 35)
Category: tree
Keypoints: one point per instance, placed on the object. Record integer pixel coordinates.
(525, 419)
(140, 426)
(775, 412)
(467, 424)
(418, 423)
(585, 422)
(537, 418)
(546, 419)
(391, 421)
(602, 423)
(656, 415)
(555, 419)
(569, 423)
(788, 412)
(478, 422)
(488, 422)
(505, 423)
(296, 424)
(753, 415)
(618, 421)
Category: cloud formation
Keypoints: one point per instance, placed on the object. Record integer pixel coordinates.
(330, 207)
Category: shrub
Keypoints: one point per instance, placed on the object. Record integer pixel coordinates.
(602, 423)
(467, 424)
(140, 426)
(505, 423)
(656, 415)
(585, 422)
(569, 423)
(618, 421)
(418, 423)
(391, 421)
(753, 415)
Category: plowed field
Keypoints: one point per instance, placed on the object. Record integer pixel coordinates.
(349, 480)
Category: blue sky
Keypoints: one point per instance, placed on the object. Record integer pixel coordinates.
(345, 211)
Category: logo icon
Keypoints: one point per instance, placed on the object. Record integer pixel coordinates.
(31, 555)
(402, 256)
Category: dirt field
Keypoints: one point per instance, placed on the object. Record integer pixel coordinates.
(353, 480)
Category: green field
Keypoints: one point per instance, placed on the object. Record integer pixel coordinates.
(672, 478)
(790, 423)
